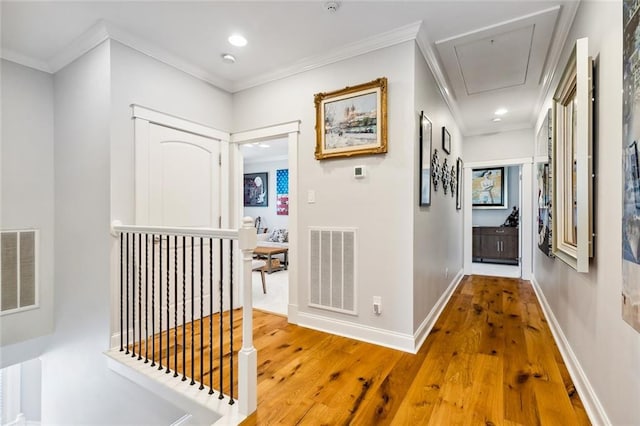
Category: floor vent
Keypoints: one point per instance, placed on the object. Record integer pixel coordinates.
(332, 269)
(18, 273)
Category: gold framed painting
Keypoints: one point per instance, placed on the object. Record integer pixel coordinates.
(352, 121)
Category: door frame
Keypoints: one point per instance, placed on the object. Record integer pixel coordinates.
(525, 239)
(291, 131)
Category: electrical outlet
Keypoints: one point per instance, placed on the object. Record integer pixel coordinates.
(446, 272)
(377, 305)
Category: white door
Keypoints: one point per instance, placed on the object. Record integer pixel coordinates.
(177, 178)
(178, 184)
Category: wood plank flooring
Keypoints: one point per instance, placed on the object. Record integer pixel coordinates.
(490, 359)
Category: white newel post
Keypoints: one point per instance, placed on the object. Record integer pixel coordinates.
(248, 356)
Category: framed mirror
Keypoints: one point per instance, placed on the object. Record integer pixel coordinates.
(572, 162)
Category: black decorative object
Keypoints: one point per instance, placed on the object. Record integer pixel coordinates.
(446, 140)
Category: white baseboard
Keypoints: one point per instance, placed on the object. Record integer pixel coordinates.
(587, 394)
(427, 325)
(377, 336)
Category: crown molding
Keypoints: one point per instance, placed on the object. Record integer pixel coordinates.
(95, 35)
(558, 41)
(103, 30)
(155, 52)
(370, 44)
(25, 60)
(426, 48)
(98, 33)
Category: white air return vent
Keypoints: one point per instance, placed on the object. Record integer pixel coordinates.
(332, 269)
(18, 272)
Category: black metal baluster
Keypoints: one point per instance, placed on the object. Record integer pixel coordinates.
(221, 338)
(175, 306)
(146, 298)
(210, 316)
(133, 290)
(127, 291)
(193, 302)
(139, 296)
(168, 303)
(160, 304)
(201, 313)
(184, 308)
(153, 300)
(121, 289)
(231, 401)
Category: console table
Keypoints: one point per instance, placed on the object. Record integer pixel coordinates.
(495, 244)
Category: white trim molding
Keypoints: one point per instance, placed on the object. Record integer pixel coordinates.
(178, 123)
(431, 58)
(587, 394)
(268, 132)
(429, 322)
(370, 44)
(377, 336)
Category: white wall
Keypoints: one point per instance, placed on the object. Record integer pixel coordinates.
(496, 217)
(587, 306)
(31, 390)
(140, 79)
(379, 206)
(27, 184)
(437, 229)
(499, 146)
(270, 218)
(78, 388)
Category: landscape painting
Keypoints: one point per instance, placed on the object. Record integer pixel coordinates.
(352, 121)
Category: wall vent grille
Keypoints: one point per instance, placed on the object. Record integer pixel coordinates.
(18, 271)
(332, 269)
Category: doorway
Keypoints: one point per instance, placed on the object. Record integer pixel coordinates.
(497, 218)
(266, 200)
(250, 150)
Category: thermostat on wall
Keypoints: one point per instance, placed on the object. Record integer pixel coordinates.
(359, 172)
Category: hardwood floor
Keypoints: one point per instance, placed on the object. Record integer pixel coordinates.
(490, 359)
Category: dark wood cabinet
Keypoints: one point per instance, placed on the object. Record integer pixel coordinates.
(495, 244)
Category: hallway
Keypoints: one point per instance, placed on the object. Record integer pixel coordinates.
(490, 359)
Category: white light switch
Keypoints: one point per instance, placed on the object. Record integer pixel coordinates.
(311, 196)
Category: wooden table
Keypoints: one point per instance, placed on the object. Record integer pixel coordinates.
(268, 252)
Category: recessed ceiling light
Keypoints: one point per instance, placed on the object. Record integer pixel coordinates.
(495, 120)
(501, 111)
(237, 40)
(264, 145)
(228, 58)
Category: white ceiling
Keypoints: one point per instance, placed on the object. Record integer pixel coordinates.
(292, 36)
(269, 150)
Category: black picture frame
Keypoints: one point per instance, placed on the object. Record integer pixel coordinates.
(446, 140)
(459, 183)
(256, 189)
(488, 188)
(425, 160)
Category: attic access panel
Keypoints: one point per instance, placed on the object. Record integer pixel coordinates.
(495, 62)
